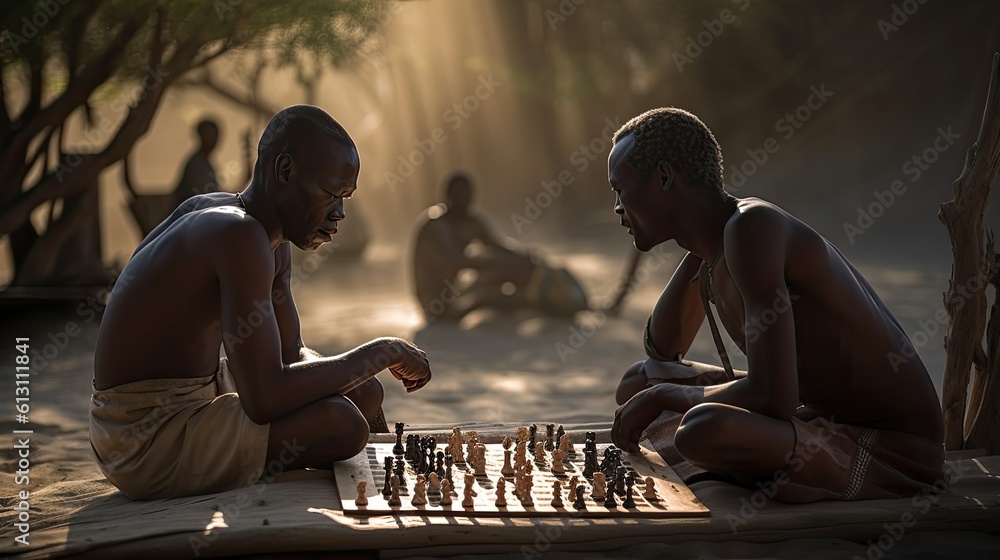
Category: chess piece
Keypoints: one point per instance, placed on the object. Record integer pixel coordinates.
(471, 442)
(526, 497)
(589, 461)
(398, 448)
(470, 484)
(362, 499)
(566, 444)
(419, 491)
(550, 434)
(448, 461)
(501, 492)
(507, 470)
(571, 487)
(558, 467)
(394, 500)
(480, 464)
(629, 502)
(650, 492)
(609, 500)
(439, 470)
(386, 489)
(600, 486)
(620, 480)
(560, 432)
(532, 435)
(522, 434)
(433, 485)
(520, 454)
(557, 501)
(455, 444)
(467, 501)
(446, 492)
(540, 452)
(408, 450)
(579, 502)
(401, 475)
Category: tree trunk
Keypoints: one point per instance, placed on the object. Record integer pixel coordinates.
(965, 300)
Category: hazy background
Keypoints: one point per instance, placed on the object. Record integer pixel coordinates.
(558, 79)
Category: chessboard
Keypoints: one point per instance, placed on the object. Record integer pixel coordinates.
(597, 480)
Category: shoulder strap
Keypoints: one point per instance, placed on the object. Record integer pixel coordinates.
(706, 289)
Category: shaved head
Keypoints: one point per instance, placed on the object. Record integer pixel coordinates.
(296, 128)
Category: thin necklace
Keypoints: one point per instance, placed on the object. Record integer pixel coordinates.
(239, 198)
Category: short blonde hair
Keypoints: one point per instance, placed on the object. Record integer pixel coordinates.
(680, 138)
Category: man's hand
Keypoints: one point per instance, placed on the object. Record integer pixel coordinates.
(633, 417)
(409, 364)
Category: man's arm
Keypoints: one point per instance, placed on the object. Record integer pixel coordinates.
(285, 312)
(679, 312)
(268, 388)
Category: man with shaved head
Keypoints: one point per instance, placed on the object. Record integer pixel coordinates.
(829, 407)
(169, 417)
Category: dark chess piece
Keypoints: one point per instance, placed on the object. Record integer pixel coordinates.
(411, 444)
(398, 448)
(620, 480)
(550, 433)
(589, 462)
(387, 488)
(629, 502)
(532, 436)
(580, 502)
(439, 468)
(401, 474)
(560, 432)
(609, 499)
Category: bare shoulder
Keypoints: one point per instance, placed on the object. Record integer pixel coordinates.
(758, 225)
(230, 237)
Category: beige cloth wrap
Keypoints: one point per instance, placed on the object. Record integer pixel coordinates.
(164, 438)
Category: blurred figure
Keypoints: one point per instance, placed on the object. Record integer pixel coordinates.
(452, 237)
(199, 175)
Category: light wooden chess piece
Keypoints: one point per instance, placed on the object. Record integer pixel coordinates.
(480, 462)
(470, 484)
(433, 485)
(419, 492)
(471, 440)
(650, 491)
(501, 492)
(362, 499)
(571, 488)
(520, 454)
(455, 442)
(557, 461)
(468, 501)
(522, 434)
(526, 498)
(600, 486)
(394, 500)
(566, 444)
(540, 452)
(446, 491)
(557, 501)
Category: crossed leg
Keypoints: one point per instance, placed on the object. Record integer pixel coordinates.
(330, 429)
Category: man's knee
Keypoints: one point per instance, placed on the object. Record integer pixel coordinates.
(632, 382)
(347, 427)
(368, 397)
(703, 430)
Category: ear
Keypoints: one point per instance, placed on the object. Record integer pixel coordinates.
(666, 174)
(284, 168)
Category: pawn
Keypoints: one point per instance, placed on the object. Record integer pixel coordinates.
(610, 502)
(557, 501)
(470, 484)
(600, 486)
(394, 500)
(501, 492)
(579, 502)
(650, 492)
(571, 487)
(433, 485)
(446, 492)
(566, 444)
(540, 452)
(419, 492)
(362, 499)
(526, 497)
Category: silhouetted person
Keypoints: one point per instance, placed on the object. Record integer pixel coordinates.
(446, 244)
(835, 403)
(165, 418)
(199, 175)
